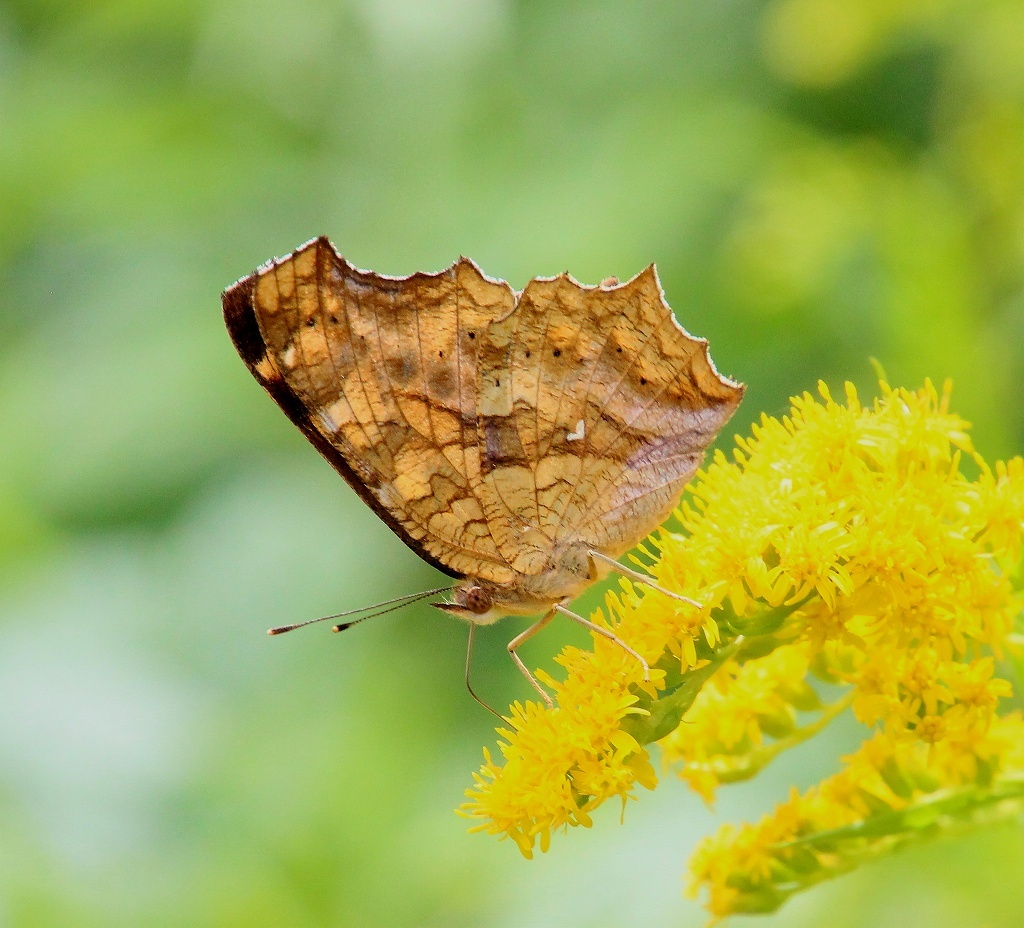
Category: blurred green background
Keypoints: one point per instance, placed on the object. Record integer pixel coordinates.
(819, 181)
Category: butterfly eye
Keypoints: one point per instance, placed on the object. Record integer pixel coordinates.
(477, 600)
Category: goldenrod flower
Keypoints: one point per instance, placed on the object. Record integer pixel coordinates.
(843, 545)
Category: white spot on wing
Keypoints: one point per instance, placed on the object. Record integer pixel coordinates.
(578, 433)
(327, 423)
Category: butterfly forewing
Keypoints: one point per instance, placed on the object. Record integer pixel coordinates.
(351, 349)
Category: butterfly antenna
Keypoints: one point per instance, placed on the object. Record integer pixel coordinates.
(393, 604)
(413, 599)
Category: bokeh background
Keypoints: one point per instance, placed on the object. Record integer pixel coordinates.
(819, 182)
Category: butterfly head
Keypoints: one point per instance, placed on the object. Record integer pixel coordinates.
(475, 601)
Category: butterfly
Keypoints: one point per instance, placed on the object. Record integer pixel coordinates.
(518, 441)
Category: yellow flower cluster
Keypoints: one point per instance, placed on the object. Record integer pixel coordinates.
(560, 764)
(890, 793)
(843, 545)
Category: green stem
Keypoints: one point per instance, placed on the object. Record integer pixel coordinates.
(755, 637)
(965, 806)
(840, 850)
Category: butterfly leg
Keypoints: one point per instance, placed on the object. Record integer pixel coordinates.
(469, 686)
(635, 575)
(604, 632)
(524, 636)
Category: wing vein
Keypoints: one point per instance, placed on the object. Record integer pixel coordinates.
(585, 453)
(358, 368)
(622, 469)
(566, 368)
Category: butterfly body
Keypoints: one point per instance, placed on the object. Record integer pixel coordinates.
(569, 571)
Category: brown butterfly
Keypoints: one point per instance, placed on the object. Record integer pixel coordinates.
(518, 441)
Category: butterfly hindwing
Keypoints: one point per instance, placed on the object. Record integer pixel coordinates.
(608, 406)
